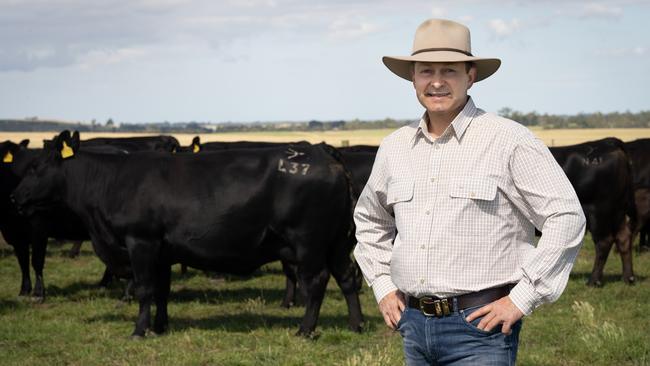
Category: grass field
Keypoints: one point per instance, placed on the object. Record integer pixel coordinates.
(238, 321)
(557, 137)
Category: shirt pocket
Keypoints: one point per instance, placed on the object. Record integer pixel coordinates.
(474, 206)
(399, 191)
(399, 199)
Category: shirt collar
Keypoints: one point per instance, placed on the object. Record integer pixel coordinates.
(458, 125)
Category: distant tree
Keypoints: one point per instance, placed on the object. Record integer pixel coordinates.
(110, 123)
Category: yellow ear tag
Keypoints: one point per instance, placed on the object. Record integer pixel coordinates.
(66, 151)
(196, 148)
(9, 157)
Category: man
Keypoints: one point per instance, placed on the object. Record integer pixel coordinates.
(445, 224)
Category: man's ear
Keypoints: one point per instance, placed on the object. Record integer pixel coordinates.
(472, 73)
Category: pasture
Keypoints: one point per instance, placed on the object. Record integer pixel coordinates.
(238, 321)
(557, 137)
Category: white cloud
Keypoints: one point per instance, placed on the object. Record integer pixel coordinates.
(344, 28)
(623, 51)
(600, 10)
(502, 29)
(438, 12)
(104, 57)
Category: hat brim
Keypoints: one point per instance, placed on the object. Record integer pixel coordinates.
(401, 66)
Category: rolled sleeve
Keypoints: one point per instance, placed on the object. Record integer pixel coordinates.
(548, 198)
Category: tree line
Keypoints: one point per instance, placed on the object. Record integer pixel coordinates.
(546, 121)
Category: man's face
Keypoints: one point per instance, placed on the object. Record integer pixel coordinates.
(442, 87)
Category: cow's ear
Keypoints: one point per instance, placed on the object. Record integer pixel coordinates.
(63, 144)
(24, 143)
(8, 157)
(196, 144)
(76, 141)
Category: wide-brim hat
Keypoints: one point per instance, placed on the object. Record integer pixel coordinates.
(440, 40)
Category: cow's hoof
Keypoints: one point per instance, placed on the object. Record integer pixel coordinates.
(594, 284)
(287, 304)
(630, 280)
(312, 334)
(357, 328)
(136, 337)
(38, 299)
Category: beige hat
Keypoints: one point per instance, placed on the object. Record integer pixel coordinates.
(439, 40)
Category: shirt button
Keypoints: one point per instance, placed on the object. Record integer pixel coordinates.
(422, 247)
(433, 180)
(428, 212)
(422, 281)
(472, 194)
(437, 147)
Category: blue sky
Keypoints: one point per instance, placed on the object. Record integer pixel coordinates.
(275, 60)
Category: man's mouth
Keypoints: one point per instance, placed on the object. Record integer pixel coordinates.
(437, 94)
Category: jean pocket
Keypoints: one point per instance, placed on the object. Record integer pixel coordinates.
(402, 319)
(473, 325)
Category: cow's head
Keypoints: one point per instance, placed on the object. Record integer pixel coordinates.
(43, 185)
(195, 147)
(10, 154)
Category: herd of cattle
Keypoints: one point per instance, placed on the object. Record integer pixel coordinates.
(146, 203)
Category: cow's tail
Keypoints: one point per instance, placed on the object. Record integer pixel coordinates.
(332, 151)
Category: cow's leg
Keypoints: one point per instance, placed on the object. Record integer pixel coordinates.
(107, 278)
(603, 247)
(346, 274)
(22, 254)
(76, 249)
(129, 290)
(39, 246)
(161, 295)
(624, 246)
(143, 256)
(290, 288)
(313, 285)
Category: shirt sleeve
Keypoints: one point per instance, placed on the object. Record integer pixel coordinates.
(549, 200)
(375, 230)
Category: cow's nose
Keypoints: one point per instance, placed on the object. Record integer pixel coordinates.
(12, 198)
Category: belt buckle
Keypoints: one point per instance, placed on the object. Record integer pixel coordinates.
(437, 307)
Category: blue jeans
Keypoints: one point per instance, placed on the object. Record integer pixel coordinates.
(451, 340)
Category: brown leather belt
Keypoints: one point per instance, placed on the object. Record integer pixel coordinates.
(435, 306)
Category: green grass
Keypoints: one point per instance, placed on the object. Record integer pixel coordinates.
(238, 321)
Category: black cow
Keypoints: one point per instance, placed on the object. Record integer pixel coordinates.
(358, 160)
(228, 211)
(639, 154)
(23, 233)
(601, 175)
(56, 222)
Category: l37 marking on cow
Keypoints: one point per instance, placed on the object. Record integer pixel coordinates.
(292, 167)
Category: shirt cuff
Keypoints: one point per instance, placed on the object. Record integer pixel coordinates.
(382, 286)
(524, 297)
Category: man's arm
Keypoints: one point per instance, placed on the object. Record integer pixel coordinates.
(375, 231)
(545, 194)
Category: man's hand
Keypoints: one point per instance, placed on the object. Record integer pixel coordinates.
(391, 308)
(502, 311)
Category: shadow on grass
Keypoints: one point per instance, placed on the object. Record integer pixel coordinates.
(608, 278)
(6, 306)
(243, 322)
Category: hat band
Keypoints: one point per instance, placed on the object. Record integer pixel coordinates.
(442, 49)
